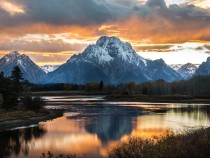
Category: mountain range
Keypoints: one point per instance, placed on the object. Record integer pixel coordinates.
(109, 60)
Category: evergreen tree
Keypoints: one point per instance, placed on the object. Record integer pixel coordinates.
(101, 86)
(17, 75)
(14, 87)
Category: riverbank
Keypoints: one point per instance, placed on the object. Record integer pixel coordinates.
(18, 118)
(133, 97)
(157, 99)
(193, 144)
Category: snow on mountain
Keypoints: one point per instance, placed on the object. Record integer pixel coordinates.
(49, 68)
(176, 67)
(204, 68)
(186, 70)
(112, 61)
(30, 70)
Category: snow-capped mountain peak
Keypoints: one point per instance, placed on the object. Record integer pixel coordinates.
(110, 49)
(190, 67)
(112, 61)
(49, 68)
(30, 70)
(115, 47)
(186, 70)
(12, 56)
(14, 53)
(104, 41)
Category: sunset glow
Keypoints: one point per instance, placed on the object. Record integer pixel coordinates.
(52, 37)
(11, 8)
(201, 3)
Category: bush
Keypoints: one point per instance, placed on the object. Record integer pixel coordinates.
(194, 144)
(51, 155)
(1, 101)
(36, 103)
(27, 102)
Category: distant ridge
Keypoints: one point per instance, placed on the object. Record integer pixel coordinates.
(185, 70)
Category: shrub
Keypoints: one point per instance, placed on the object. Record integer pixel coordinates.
(195, 144)
(27, 102)
(51, 155)
(1, 101)
(38, 103)
(35, 103)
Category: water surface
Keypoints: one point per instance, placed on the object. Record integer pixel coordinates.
(92, 126)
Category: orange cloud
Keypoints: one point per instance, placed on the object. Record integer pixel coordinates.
(201, 3)
(144, 25)
(11, 8)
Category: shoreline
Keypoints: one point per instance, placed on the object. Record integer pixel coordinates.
(8, 124)
(120, 96)
(193, 101)
(158, 99)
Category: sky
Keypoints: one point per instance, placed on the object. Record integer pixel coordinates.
(51, 31)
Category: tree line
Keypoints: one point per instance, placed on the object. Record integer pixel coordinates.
(196, 86)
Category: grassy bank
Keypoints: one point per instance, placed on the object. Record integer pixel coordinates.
(12, 119)
(194, 144)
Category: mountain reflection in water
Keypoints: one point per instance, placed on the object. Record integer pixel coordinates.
(110, 123)
(91, 128)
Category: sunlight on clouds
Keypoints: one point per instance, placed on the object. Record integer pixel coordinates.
(201, 3)
(168, 2)
(11, 8)
(153, 34)
(106, 27)
(77, 41)
(141, 1)
(196, 53)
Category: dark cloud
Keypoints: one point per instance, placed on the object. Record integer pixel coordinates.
(88, 12)
(156, 3)
(41, 46)
(131, 20)
(207, 47)
(200, 48)
(64, 12)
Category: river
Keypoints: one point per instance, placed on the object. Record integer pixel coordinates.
(91, 126)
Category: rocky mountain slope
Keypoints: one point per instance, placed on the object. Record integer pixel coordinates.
(204, 68)
(31, 72)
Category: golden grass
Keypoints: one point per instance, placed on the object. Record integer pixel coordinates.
(17, 114)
